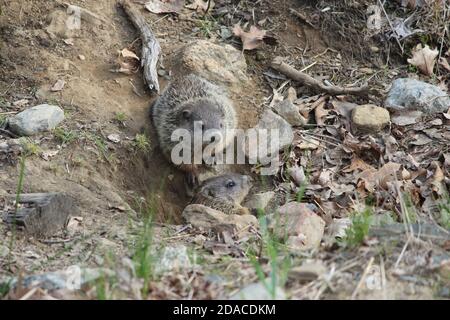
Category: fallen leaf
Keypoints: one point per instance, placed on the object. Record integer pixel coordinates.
(373, 178)
(402, 28)
(424, 59)
(444, 63)
(250, 40)
(321, 113)
(128, 54)
(164, 6)
(421, 140)
(58, 86)
(406, 118)
(128, 62)
(201, 5)
(358, 164)
(437, 180)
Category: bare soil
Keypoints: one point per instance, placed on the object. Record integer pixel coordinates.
(114, 182)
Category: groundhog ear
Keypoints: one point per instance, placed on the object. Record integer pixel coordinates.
(186, 114)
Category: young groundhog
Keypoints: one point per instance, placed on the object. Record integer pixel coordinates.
(185, 101)
(224, 193)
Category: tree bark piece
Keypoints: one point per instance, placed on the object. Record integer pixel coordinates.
(314, 84)
(150, 46)
(41, 214)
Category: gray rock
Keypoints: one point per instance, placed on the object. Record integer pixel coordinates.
(411, 94)
(37, 119)
(295, 222)
(257, 291)
(270, 121)
(370, 118)
(73, 278)
(173, 258)
(259, 200)
(4, 251)
(289, 112)
(221, 64)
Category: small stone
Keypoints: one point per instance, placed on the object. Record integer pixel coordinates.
(114, 137)
(259, 200)
(81, 57)
(205, 218)
(173, 258)
(308, 271)
(4, 251)
(411, 94)
(374, 49)
(37, 119)
(302, 227)
(290, 113)
(59, 85)
(257, 291)
(161, 72)
(370, 118)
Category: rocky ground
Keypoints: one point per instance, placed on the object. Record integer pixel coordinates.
(358, 208)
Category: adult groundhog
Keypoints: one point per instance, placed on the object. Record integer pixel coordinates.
(224, 193)
(188, 100)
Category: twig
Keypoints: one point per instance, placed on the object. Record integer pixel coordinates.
(302, 17)
(314, 84)
(207, 8)
(9, 133)
(363, 277)
(150, 46)
(390, 24)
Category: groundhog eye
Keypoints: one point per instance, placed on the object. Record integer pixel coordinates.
(186, 114)
(230, 184)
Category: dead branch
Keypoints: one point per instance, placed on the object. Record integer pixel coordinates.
(314, 84)
(150, 46)
(302, 17)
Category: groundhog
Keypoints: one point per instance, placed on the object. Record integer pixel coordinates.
(187, 100)
(224, 193)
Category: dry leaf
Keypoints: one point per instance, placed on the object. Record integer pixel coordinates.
(444, 63)
(250, 40)
(58, 86)
(424, 59)
(128, 62)
(321, 113)
(164, 6)
(437, 180)
(358, 164)
(406, 117)
(373, 178)
(129, 54)
(201, 6)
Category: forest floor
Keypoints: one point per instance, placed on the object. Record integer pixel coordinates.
(128, 228)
